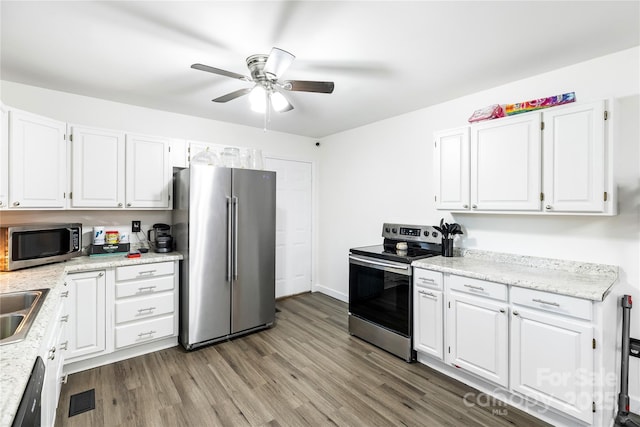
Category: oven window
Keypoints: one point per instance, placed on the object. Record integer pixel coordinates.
(40, 244)
(380, 297)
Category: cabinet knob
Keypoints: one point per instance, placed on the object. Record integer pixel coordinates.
(0, 202)
(474, 206)
(119, 205)
(515, 313)
(100, 274)
(16, 203)
(129, 205)
(465, 206)
(502, 310)
(548, 207)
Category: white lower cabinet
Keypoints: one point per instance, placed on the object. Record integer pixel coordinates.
(121, 312)
(552, 354)
(53, 352)
(477, 330)
(428, 321)
(87, 321)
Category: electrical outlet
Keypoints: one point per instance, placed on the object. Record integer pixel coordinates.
(135, 226)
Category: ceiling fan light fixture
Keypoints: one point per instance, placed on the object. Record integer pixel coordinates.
(258, 99)
(279, 102)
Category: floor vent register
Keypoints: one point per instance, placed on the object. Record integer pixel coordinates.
(82, 402)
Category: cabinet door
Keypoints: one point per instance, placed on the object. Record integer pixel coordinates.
(428, 322)
(552, 361)
(451, 166)
(148, 177)
(86, 305)
(53, 356)
(574, 158)
(506, 164)
(98, 168)
(38, 161)
(477, 337)
(178, 157)
(4, 157)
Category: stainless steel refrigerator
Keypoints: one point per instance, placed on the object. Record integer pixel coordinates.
(224, 225)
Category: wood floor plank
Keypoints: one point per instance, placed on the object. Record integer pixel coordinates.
(305, 371)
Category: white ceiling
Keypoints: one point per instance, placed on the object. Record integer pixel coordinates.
(385, 57)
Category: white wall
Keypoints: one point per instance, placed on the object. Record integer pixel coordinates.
(383, 173)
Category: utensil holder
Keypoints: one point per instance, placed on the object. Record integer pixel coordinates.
(447, 247)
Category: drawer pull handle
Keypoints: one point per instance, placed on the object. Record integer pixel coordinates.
(146, 288)
(149, 309)
(425, 279)
(474, 288)
(64, 318)
(143, 334)
(541, 301)
(146, 272)
(64, 294)
(427, 294)
(64, 345)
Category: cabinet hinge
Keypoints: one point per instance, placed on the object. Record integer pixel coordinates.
(593, 343)
(606, 114)
(449, 304)
(435, 144)
(593, 406)
(541, 125)
(435, 198)
(70, 194)
(169, 148)
(64, 195)
(71, 138)
(449, 349)
(169, 197)
(541, 197)
(605, 196)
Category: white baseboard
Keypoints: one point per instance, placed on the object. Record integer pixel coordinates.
(331, 292)
(634, 404)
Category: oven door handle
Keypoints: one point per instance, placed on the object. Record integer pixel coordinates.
(381, 264)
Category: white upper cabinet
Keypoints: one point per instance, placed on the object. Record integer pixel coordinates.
(38, 161)
(98, 161)
(4, 157)
(451, 166)
(148, 172)
(575, 159)
(506, 164)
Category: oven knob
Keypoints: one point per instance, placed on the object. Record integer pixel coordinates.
(393, 230)
(386, 230)
(434, 234)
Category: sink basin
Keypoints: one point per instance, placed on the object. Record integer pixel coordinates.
(18, 310)
(9, 324)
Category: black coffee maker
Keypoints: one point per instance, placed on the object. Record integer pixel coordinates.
(162, 241)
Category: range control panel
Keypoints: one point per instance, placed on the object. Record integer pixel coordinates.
(411, 233)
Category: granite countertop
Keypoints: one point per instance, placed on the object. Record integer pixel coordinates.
(572, 278)
(17, 359)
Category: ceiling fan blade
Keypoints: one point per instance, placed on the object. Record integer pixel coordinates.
(308, 86)
(218, 71)
(278, 62)
(233, 95)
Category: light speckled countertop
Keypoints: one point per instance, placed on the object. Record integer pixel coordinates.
(572, 278)
(17, 359)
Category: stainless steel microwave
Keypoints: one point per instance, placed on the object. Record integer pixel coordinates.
(24, 246)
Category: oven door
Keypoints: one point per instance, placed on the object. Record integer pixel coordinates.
(380, 292)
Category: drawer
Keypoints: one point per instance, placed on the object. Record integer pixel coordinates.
(554, 303)
(144, 307)
(478, 287)
(427, 278)
(143, 331)
(142, 287)
(140, 271)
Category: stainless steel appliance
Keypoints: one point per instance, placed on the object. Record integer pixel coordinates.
(224, 225)
(380, 286)
(162, 241)
(30, 408)
(36, 244)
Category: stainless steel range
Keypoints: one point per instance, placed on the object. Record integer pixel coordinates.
(380, 286)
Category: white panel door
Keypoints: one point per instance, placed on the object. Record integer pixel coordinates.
(506, 164)
(4, 157)
(428, 321)
(293, 225)
(148, 176)
(98, 159)
(477, 337)
(451, 167)
(574, 158)
(552, 361)
(37, 160)
(86, 307)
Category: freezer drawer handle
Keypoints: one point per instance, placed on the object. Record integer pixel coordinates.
(148, 309)
(541, 301)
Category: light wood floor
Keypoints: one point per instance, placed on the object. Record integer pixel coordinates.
(307, 370)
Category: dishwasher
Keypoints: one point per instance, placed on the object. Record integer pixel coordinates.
(28, 414)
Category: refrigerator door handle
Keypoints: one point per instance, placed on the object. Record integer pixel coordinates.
(235, 238)
(229, 239)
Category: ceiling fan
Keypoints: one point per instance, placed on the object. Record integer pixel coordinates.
(265, 72)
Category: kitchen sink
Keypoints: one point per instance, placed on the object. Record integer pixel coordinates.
(18, 310)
